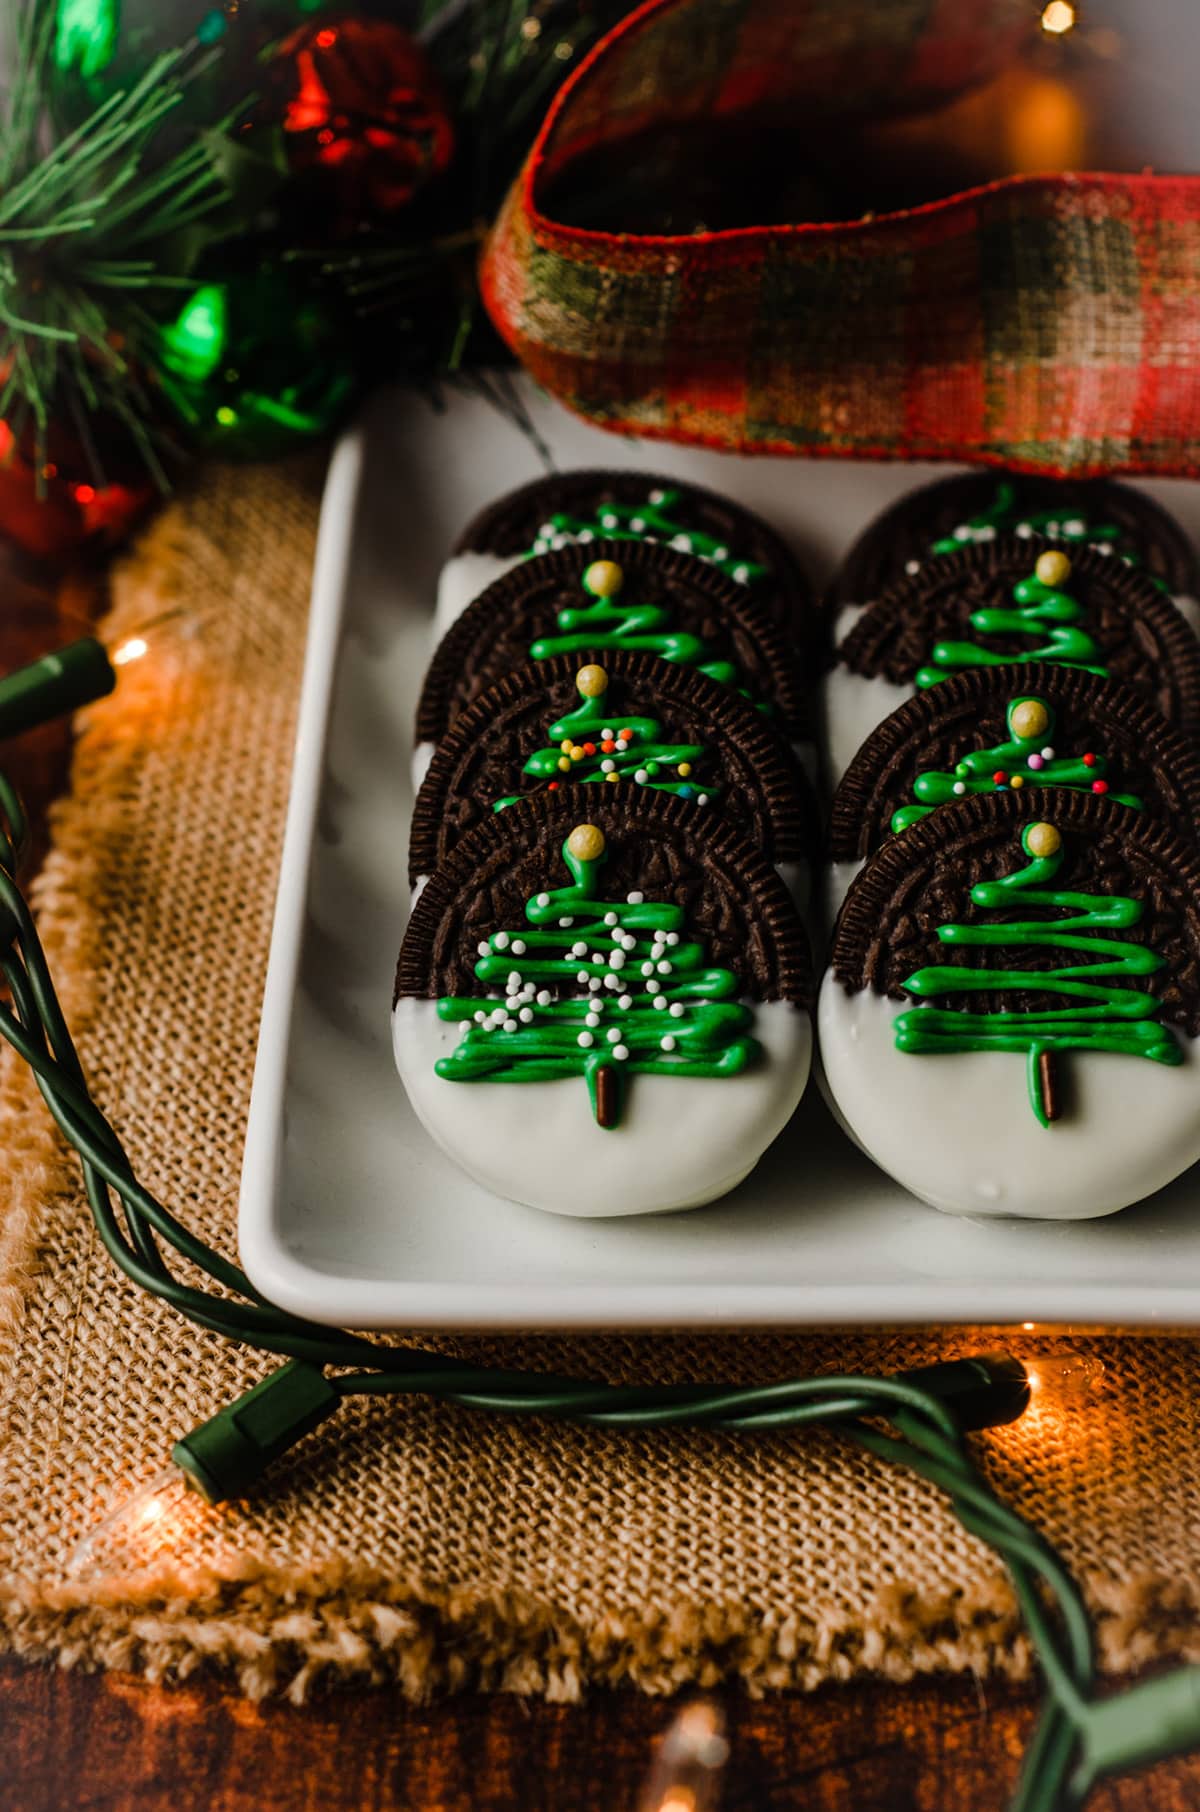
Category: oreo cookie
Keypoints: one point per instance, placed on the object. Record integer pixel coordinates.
(994, 729)
(634, 724)
(1010, 1017)
(974, 510)
(602, 1005)
(1005, 601)
(582, 508)
(590, 601)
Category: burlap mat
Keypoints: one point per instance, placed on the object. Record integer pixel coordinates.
(408, 1542)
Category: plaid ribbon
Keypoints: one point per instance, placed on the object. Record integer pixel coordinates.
(1048, 323)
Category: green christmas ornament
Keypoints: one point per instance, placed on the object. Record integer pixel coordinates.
(250, 369)
(601, 989)
(1102, 1013)
(598, 743)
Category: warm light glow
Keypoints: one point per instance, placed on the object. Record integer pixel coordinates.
(85, 493)
(689, 1763)
(1029, 1326)
(678, 1800)
(130, 650)
(1062, 1379)
(1059, 17)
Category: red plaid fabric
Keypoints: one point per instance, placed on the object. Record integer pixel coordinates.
(1048, 323)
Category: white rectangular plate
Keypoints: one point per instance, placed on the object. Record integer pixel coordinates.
(350, 1214)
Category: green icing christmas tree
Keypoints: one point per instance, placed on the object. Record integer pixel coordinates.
(1004, 516)
(599, 989)
(1100, 1014)
(596, 743)
(1039, 608)
(648, 521)
(1028, 756)
(607, 622)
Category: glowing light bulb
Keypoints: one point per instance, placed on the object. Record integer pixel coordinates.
(132, 649)
(1062, 1379)
(687, 1768)
(1059, 17)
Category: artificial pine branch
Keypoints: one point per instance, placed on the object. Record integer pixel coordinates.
(94, 225)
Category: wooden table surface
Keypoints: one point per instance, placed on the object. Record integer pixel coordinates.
(111, 1743)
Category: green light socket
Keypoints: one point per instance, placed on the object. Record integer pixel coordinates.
(55, 686)
(224, 1457)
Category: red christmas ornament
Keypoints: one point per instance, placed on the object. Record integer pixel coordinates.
(360, 106)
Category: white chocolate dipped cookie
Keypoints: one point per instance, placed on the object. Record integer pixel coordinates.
(604, 1014)
(1009, 1020)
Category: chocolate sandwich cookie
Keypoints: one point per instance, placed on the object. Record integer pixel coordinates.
(994, 729)
(1117, 520)
(582, 508)
(1010, 1017)
(636, 724)
(602, 1004)
(592, 601)
(1003, 601)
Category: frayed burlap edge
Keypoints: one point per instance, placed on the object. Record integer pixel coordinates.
(345, 1626)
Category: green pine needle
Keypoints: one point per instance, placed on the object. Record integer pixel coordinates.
(87, 218)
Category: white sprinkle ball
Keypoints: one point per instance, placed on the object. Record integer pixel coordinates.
(657, 496)
(543, 899)
(614, 1034)
(608, 520)
(465, 1024)
(617, 960)
(912, 566)
(1047, 753)
(485, 949)
(606, 735)
(622, 744)
(544, 997)
(653, 987)
(480, 1017)
(660, 1003)
(647, 968)
(597, 956)
(510, 1025)
(579, 949)
(608, 767)
(620, 1052)
(582, 975)
(591, 1019)
(668, 1043)
(625, 1002)
(586, 535)
(594, 984)
(677, 1009)
(585, 1039)
(501, 940)
(641, 776)
(566, 924)
(526, 1016)
(612, 981)
(741, 574)
(638, 524)
(518, 946)
(959, 787)
(514, 978)
(672, 937)
(635, 899)
(664, 968)
(702, 799)
(720, 553)
(610, 918)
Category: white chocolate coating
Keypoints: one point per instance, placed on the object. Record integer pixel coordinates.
(1189, 609)
(958, 1129)
(682, 1140)
(462, 579)
(852, 705)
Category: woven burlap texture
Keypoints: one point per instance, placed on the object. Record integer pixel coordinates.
(409, 1542)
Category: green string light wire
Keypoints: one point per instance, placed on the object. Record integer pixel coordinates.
(1077, 1740)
